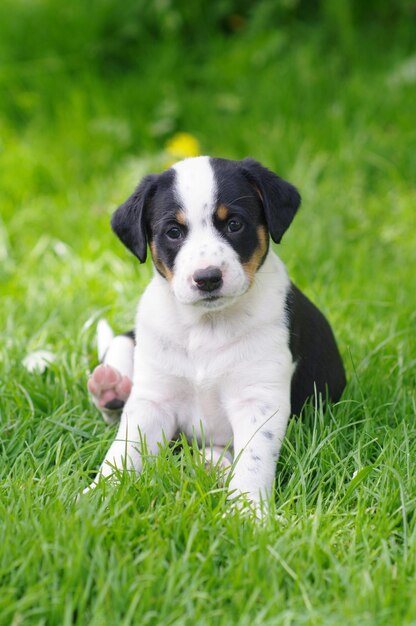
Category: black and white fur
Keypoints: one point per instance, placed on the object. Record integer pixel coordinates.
(226, 344)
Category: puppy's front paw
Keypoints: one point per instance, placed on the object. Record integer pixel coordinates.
(216, 457)
(245, 509)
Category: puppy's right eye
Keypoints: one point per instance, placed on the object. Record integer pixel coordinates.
(234, 225)
(174, 233)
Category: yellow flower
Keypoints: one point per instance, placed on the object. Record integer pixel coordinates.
(183, 145)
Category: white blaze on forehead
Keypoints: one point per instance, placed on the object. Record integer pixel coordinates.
(203, 246)
(195, 187)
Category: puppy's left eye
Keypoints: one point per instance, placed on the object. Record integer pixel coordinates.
(234, 225)
(174, 233)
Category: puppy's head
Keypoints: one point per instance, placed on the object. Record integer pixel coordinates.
(207, 222)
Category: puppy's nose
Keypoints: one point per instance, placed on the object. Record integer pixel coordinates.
(208, 279)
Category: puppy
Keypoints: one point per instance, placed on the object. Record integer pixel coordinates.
(227, 347)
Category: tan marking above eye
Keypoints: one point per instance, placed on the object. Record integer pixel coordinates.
(252, 265)
(222, 212)
(181, 218)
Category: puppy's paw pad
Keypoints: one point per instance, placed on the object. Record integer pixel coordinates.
(114, 405)
(103, 377)
(108, 388)
(123, 387)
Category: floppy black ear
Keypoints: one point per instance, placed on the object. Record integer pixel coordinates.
(280, 199)
(128, 221)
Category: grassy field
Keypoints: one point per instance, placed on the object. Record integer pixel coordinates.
(332, 111)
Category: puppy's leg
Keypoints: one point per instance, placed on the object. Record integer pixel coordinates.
(143, 422)
(259, 420)
(110, 383)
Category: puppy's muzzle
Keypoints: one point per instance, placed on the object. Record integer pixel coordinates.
(208, 279)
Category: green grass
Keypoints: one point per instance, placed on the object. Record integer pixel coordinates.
(75, 136)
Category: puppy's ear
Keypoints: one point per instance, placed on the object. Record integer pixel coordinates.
(280, 199)
(128, 222)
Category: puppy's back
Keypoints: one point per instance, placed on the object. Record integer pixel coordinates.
(314, 350)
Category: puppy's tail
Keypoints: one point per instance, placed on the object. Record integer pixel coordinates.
(105, 336)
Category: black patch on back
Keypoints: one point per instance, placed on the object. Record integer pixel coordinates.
(314, 350)
(236, 193)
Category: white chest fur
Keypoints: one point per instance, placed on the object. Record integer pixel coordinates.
(189, 359)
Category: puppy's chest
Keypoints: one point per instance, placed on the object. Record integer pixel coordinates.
(200, 354)
(203, 411)
(193, 365)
